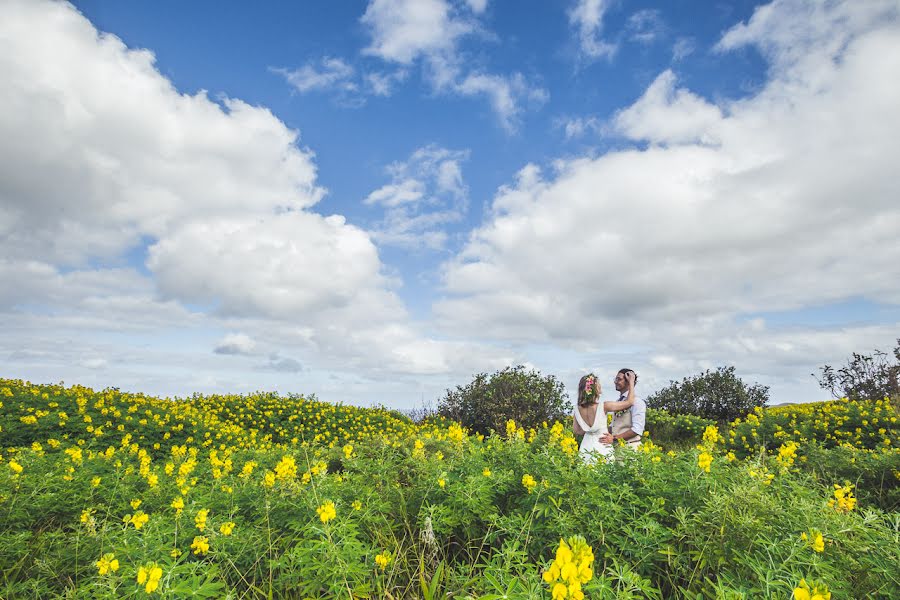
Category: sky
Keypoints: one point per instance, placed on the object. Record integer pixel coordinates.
(372, 201)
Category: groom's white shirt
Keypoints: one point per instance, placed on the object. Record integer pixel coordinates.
(638, 414)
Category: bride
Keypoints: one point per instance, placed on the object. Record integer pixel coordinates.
(589, 417)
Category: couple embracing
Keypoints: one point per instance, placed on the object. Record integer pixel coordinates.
(589, 418)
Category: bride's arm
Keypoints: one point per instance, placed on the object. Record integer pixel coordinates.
(615, 405)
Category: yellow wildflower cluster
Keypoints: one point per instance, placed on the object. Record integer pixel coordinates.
(704, 460)
(108, 563)
(200, 519)
(815, 539)
(138, 519)
(762, 474)
(326, 512)
(844, 500)
(816, 592)
(286, 468)
(383, 560)
(572, 568)
(529, 482)
(149, 577)
(200, 545)
(787, 453)
(227, 528)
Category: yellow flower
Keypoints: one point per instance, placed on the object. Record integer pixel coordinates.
(226, 528)
(135, 504)
(200, 519)
(326, 512)
(200, 545)
(95, 482)
(15, 467)
(529, 482)
(383, 560)
(486, 472)
(357, 505)
(108, 563)
(704, 460)
(178, 505)
(139, 519)
(442, 482)
(269, 479)
(560, 591)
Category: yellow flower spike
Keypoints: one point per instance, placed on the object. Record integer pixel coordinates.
(327, 511)
(200, 545)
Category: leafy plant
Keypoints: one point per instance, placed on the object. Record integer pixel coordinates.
(718, 395)
(864, 377)
(489, 401)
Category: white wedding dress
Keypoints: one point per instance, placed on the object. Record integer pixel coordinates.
(591, 446)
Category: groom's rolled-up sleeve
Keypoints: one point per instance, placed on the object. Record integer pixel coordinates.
(638, 417)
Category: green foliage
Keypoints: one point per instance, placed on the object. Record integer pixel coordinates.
(489, 401)
(673, 430)
(864, 376)
(660, 526)
(719, 395)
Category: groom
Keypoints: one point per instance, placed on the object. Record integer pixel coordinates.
(627, 425)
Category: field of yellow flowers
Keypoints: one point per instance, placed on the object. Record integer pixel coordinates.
(113, 495)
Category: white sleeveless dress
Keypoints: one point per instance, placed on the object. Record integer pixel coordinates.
(591, 446)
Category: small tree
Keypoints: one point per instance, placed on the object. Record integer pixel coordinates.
(864, 377)
(719, 395)
(488, 402)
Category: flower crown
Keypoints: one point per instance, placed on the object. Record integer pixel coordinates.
(589, 386)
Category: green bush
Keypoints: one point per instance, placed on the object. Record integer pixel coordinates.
(488, 402)
(719, 395)
(676, 430)
(864, 377)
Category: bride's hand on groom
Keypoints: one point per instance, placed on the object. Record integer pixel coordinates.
(606, 438)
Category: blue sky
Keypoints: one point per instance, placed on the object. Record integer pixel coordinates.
(372, 201)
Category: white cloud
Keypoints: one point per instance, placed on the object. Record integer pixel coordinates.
(506, 95)
(645, 26)
(668, 115)
(576, 127)
(382, 84)
(477, 6)
(106, 161)
(684, 47)
(587, 17)
(427, 193)
(107, 151)
(782, 200)
(334, 73)
(406, 31)
(235, 343)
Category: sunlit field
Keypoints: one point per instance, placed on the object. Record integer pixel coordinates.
(112, 495)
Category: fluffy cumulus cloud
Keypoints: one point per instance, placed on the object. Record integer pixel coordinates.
(781, 200)
(426, 194)
(126, 205)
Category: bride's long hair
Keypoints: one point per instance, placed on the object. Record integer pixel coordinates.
(588, 390)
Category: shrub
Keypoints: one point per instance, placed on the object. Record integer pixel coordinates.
(719, 395)
(864, 377)
(676, 430)
(488, 402)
